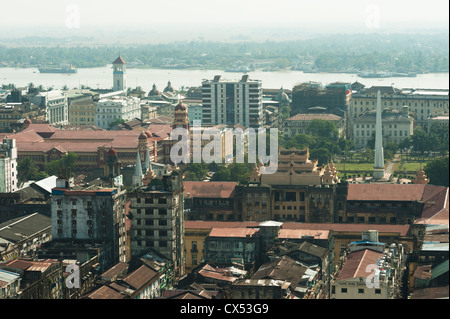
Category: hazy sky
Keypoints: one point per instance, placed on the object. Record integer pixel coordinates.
(332, 15)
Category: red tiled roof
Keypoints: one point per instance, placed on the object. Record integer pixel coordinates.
(41, 128)
(385, 192)
(116, 269)
(233, 232)
(209, 189)
(299, 233)
(119, 60)
(105, 292)
(436, 204)
(313, 116)
(402, 230)
(357, 262)
(140, 277)
(216, 273)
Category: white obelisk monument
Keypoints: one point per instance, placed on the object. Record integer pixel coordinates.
(378, 167)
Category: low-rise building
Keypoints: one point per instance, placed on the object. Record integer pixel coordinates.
(397, 125)
(20, 237)
(369, 274)
(9, 284)
(225, 245)
(209, 201)
(40, 279)
(298, 124)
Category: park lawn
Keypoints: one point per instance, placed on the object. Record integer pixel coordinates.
(354, 167)
(410, 167)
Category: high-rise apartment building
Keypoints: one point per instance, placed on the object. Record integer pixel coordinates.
(90, 215)
(8, 166)
(232, 102)
(158, 218)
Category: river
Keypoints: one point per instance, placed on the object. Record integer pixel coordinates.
(145, 78)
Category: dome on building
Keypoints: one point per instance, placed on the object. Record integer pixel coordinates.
(180, 107)
(112, 151)
(148, 134)
(142, 136)
(169, 88)
(27, 121)
(154, 91)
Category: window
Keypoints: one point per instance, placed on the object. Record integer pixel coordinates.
(162, 222)
(377, 291)
(344, 290)
(360, 290)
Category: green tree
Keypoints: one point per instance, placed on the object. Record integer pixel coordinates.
(116, 122)
(222, 174)
(323, 155)
(437, 171)
(323, 129)
(62, 167)
(28, 170)
(420, 141)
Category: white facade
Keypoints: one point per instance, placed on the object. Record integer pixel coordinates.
(119, 77)
(108, 110)
(8, 166)
(232, 102)
(396, 126)
(56, 106)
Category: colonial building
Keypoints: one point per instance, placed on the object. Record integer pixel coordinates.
(383, 203)
(55, 104)
(45, 143)
(13, 115)
(116, 108)
(298, 124)
(396, 126)
(82, 113)
(299, 191)
(422, 103)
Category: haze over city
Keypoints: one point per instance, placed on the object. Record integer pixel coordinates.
(174, 20)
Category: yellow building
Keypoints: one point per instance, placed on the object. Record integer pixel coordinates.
(82, 113)
(422, 103)
(12, 115)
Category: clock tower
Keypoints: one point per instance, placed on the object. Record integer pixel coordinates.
(119, 75)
